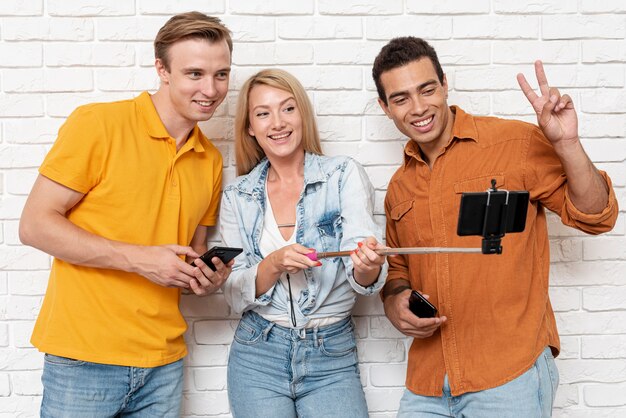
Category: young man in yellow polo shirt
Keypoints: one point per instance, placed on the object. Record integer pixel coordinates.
(123, 202)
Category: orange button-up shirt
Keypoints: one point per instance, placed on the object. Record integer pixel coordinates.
(498, 309)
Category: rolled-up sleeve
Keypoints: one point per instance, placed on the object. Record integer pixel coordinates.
(546, 181)
(357, 208)
(240, 288)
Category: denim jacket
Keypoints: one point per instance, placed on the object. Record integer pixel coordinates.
(334, 213)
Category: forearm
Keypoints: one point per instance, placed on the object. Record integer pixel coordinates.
(267, 276)
(54, 234)
(587, 189)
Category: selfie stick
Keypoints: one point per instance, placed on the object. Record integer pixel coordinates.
(491, 243)
(315, 256)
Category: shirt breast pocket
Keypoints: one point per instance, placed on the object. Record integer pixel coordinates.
(479, 184)
(404, 215)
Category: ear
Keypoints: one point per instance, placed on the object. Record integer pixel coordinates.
(163, 74)
(384, 107)
(250, 131)
(445, 85)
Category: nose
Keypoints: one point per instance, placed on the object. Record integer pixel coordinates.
(277, 120)
(419, 105)
(208, 87)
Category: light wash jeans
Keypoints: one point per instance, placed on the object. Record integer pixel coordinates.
(529, 396)
(275, 371)
(74, 388)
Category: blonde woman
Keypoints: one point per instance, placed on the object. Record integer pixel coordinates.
(294, 352)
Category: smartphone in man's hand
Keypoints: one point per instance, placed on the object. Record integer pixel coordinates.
(225, 254)
(420, 306)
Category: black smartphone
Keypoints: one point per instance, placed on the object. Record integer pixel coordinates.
(420, 306)
(223, 253)
(473, 210)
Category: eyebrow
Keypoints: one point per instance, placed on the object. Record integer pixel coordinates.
(201, 70)
(405, 92)
(280, 104)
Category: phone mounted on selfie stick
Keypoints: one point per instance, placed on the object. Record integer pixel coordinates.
(490, 214)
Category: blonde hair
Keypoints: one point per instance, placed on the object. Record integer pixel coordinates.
(248, 153)
(189, 25)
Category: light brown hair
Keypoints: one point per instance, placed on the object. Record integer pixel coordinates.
(188, 26)
(248, 153)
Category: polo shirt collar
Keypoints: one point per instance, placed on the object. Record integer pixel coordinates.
(155, 128)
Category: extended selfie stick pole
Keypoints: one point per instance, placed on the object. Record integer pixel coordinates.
(394, 251)
(491, 243)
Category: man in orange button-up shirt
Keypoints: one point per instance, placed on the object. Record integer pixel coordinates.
(490, 352)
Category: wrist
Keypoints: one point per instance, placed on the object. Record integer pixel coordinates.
(392, 291)
(366, 279)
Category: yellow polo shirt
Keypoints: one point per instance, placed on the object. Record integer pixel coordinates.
(138, 190)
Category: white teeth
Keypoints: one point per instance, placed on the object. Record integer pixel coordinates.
(204, 103)
(424, 122)
(281, 136)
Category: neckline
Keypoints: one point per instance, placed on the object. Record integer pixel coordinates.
(272, 219)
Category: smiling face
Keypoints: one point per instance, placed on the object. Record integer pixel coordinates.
(197, 80)
(417, 104)
(275, 122)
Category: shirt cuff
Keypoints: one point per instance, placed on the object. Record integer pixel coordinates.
(594, 218)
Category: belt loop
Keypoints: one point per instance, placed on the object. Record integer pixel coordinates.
(302, 333)
(316, 341)
(267, 330)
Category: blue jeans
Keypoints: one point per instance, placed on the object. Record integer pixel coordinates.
(529, 395)
(275, 371)
(74, 388)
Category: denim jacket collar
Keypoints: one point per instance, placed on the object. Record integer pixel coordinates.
(254, 183)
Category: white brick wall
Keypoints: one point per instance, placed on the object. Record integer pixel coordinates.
(58, 54)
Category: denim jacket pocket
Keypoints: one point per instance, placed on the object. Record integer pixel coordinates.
(330, 231)
(247, 335)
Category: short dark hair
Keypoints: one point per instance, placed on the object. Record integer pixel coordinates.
(188, 26)
(399, 52)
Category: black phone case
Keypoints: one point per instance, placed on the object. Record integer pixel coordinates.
(223, 253)
(420, 306)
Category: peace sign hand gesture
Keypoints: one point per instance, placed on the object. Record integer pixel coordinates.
(555, 113)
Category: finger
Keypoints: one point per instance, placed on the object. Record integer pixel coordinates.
(197, 288)
(179, 283)
(565, 102)
(371, 242)
(217, 263)
(546, 113)
(182, 250)
(301, 249)
(369, 256)
(203, 279)
(304, 262)
(554, 92)
(356, 260)
(541, 78)
(526, 88)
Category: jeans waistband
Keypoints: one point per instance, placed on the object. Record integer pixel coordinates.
(255, 320)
